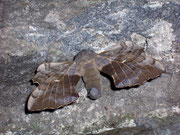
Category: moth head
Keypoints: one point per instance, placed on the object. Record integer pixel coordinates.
(85, 55)
(94, 93)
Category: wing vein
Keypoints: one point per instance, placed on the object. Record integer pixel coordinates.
(39, 86)
(142, 65)
(45, 92)
(63, 91)
(135, 62)
(115, 73)
(151, 64)
(56, 94)
(132, 71)
(70, 87)
(50, 93)
(124, 73)
(141, 59)
(138, 69)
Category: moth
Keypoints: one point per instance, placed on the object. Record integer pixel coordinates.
(126, 64)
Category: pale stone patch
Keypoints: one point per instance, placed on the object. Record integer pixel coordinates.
(153, 4)
(127, 123)
(175, 109)
(91, 108)
(53, 17)
(162, 37)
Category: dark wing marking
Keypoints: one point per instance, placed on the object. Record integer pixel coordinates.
(128, 67)
(57, 82)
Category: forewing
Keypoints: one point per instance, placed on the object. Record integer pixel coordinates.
(57, 82)
(129, 68)
(122, 48)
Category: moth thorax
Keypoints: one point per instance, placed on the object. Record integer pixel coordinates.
(85, 55)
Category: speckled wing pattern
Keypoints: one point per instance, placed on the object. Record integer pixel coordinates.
(128, 66)
(56, 86)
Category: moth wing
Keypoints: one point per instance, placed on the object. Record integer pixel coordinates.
(56, 86)
(124, 47)
(129, 67)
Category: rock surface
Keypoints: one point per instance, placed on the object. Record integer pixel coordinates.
(37, 31)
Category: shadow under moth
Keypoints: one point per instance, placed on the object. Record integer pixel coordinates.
(127, 65)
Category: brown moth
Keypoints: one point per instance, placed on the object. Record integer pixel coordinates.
(126, 64)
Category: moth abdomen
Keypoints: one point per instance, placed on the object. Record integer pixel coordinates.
(94, 93)
(92, 80)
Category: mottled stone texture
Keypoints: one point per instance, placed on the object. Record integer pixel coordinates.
(37, 31)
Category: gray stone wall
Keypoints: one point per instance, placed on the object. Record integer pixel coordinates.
(37, 31)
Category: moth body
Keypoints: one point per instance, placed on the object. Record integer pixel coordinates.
(90, 72)
(92, 80)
